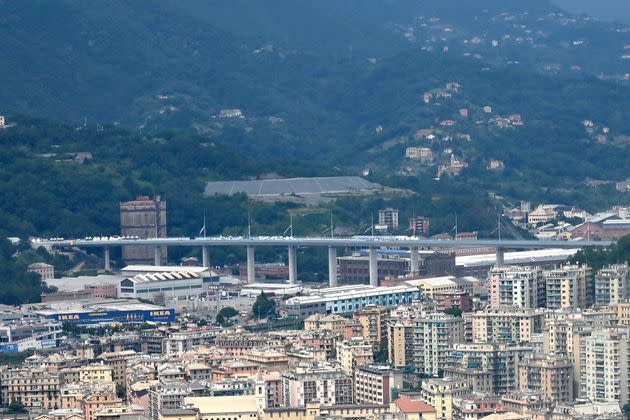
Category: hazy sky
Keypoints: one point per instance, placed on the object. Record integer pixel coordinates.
(605, 9)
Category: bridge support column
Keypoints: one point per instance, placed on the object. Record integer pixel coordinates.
(157, 255)
(373, 262)
(414, 256)
(500, 256)
(292, 264)
(332, 266)
(205, 256)
(251, 265)
(108, 266)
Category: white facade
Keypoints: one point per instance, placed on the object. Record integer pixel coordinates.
(515, 286)
(612, 285)
(605, 366)
(179, 285)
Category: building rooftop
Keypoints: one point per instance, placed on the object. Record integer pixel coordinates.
(224, 404)
(433, 281)
(409, 406)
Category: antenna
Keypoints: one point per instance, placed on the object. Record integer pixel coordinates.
(372, 224)
(499, 225)
(204, 223)
(249, 225)
(291, 223)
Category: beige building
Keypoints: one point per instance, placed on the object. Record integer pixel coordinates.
(33, 387)
(509, 324)
(373, 325)
(551, 375)
(434, 285)
(520, 286)
(400, 343)
(224, 407)
(318, 411)
(375, 384)
(45, 271)
(612, 285)
(323, 383)
(411, 409)
(623, 313)
(388, 217)
(332, 322)
(566, 287)
(118, 362)
(352, 353)
(440, 392)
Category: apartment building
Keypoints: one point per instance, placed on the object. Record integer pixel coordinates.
(605, 357)
(612, 285)
(353, 352)
(549, 374)
(509, 324)
(118, 362)
(400, 343)
(440, 392)
(434, 334)
(323, 383)
(388, 217)
(333, 322)
(33, 387)
(375, 384)
(373, 325)
(567, 286)
(520, 286)
(489, 368)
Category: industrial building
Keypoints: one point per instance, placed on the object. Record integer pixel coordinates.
(160, 287)
(144, 218)
(114, 312)
(347, 299)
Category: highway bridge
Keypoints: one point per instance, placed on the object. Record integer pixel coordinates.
(372, 243)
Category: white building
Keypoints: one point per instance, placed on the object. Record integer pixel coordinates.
(178, 285)
(612, 285)
(606, 366)
(434, 334)
(516, 286)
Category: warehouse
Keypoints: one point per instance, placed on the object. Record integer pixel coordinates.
(159, 287)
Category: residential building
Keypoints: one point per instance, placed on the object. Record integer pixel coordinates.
(434, 334)
(508, 324)
(168, 396)
(373, 325)
(606, 366)
(412, 409)
(612, 285)
(388, 217)
(118, 362)
(32, 387)
(323, 383)
(226, 407)
(549, 374)
(352, 353)
(45, 271)
(567, 287)
(144, 218)
(623, 313)
(400, 343)
(520, 286)
(431, 286)
(440, 392)
(333, 322)
(375, 384)
(420, 225)
(489, 368)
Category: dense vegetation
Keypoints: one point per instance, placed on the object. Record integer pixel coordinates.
(17, 285)
(597, 258)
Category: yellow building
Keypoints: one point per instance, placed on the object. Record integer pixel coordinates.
(623, 313)
(332, 322)
(400, 343)
(226, 407)
(373, 325)
(434, 285)
(353, 352)
(118, 362)
(440, 392)
(96, 373)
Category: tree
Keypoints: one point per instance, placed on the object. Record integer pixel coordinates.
(224, 315)
(454, 310)
(626, 411)
(263, 307)
(16, 407)
(382, 355)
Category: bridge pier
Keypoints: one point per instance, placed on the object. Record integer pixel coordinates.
(292, 264)
(108, 266)
(157, 256)
(373, 263)
(251, 265)
(500, 256)
(414, 256)
(205, 256)
(332, 266)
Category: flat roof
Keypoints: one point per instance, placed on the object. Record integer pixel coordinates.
(288, 186)
(540, 255)
(224, 404)
(163, 268)
(433, 281)
(364, 292)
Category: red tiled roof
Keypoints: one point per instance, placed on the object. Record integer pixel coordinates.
(408, 406)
